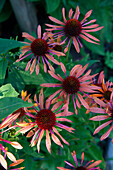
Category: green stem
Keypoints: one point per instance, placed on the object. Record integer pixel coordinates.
(68, 50)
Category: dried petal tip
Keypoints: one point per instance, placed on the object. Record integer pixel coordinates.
(16, 145)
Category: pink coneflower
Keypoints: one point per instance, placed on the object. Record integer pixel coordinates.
(46, 120)
(107, 114)
(39, 47)
(6, 153)
(18, 116)
(74, 28)
(75, 84)
(106, 90)
(81, 167)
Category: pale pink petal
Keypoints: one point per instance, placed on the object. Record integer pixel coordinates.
(54, 26)
(37, 69)
(28, 65)
(3, 161)
(52, 59)
(93, 20)
(48, 142)
(94, 164)
(87, 15)
(105, 135)
(55, 130)
(56, 140)
(51, 97)
(96, 29)
(102, 126)
(90, 26)
(39, 140)
(23, 51)
(56, 20)
(50, 85)
(69, 164)
(84, 103)
(100, 117)
(25, 129)
(70, 13)
(16, 145)
(32, 66)
(11, 156)
(82, 158)
(29, 37)
(81, 71)
(63, 67)
(97, 110)
(74, 69)
(54, 75)
(57, 105)
(63, 119)
(63, 12)
(39, 31)
(100, 102)
(41, 98)
(57, 53)
(76, 15)
(61, 168)
(87, 39)
(76, 44)
(90, 36)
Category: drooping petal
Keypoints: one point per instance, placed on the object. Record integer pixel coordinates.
(11, 156)
(3, 161)
(32, 66)
(39, 140)
(76, 45)
(84, 103)
(87, 39)
(56, 140)
(55, 130)
(48, 142)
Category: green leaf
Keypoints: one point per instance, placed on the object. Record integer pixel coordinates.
(8, 91)
(2, 2)
(109, 59)
(52, 5)
(10, 104)
(3, 68)
(7, 44)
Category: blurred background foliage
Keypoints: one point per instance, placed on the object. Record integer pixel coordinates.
(14, 79)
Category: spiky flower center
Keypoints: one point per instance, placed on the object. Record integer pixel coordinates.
(39, 47)
(72, 28)
(71, 84)
(107, 95)
(45, 119)
(58, 48)
(81, 168)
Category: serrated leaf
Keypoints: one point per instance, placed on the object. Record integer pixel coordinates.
(8, 91)
(10, 104)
